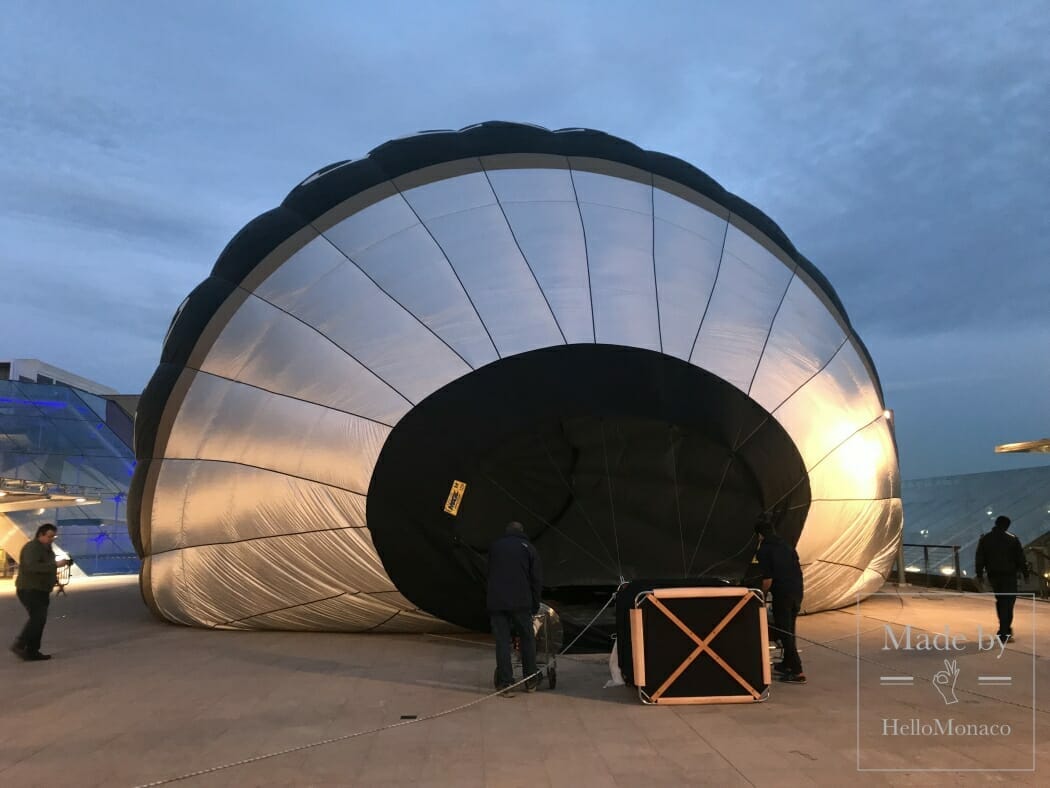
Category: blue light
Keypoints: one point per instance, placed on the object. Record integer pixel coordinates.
(39, 403)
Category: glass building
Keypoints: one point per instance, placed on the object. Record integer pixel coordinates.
(65, 457)
(956, 510)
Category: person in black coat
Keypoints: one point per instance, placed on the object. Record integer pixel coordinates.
(999, 553)
(782, 576)
(515, 586)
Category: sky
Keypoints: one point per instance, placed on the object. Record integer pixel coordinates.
(904, 147)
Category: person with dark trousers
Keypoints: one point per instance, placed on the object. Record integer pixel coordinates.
(782, 576)
(515, 586)
(37, 575)
(999, 553)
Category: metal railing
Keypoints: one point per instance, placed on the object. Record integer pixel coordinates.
(944, 568)
(1039, 560)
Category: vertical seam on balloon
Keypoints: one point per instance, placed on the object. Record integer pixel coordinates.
(586, 251)
(769, 333)
(841, 500)
(739, 444)
(812, 377)
(677, 500)
(268, 470)
(839, 563)
(809, 471)
(405, 308)
(289, 396)
(182, 581)
(521, 251)
(612, 503)
(262, 537)
(385, 621)
(656, 281)
(710, 512)
(189, 485)
(711, 294)
(806, 382)
(320, 333)
(575, 499)
(525, 507)
(281, 609)
(455, 273)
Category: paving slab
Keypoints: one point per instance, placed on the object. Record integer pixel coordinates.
(128, 701)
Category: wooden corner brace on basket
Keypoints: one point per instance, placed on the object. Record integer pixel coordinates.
(702, 645)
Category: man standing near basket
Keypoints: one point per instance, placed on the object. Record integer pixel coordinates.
(515, 587)
(781, 576)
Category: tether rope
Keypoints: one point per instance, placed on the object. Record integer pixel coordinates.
(370, 731)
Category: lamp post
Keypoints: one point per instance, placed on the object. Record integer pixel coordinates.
(924, 533)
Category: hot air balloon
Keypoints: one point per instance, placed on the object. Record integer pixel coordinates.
(503, 323)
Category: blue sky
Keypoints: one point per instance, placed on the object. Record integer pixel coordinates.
(903, 148)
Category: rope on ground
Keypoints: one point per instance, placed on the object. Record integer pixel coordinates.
(478, 701)
(323, 742)
(370, 731)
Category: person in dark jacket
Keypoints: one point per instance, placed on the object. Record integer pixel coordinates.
(782, 576)
(515, 586)
(999, 553)
(37, 575)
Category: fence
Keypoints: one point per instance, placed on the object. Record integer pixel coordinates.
(1039, 560)
(932, 565)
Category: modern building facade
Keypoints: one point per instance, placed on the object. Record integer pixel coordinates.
(65, 457)
(956, 510)
(33, 370)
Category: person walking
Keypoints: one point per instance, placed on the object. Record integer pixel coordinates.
(782, 576)
(1000, 554)
(37, 575)
(515, 587)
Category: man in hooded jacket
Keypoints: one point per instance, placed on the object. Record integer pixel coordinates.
(515, 587)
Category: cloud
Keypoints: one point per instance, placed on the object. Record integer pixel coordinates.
(105, 204)
(902, 148)
(917, 184)
(958, 394)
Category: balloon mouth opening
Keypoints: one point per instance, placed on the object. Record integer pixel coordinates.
(620, 462)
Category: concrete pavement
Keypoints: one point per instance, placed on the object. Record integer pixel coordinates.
(128, 700)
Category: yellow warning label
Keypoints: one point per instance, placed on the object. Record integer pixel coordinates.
(455, 497)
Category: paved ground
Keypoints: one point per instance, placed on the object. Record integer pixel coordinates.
(128, 700)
